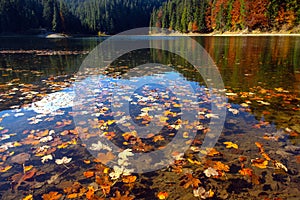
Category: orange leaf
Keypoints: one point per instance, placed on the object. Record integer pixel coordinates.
(221, 167)
(260, 163)
(88, 174)
(90, 193)
(298, 159)
(51, 196)
(213, 152)
(129, 179)
(72, 196)
(259, 145)
(158, 138)
(87, 161)
(162, 195)
(189, 180)
(246, 171)
(266, 156)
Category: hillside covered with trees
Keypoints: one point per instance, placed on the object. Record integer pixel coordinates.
(114, 16)
(227, 15)
(75, 16)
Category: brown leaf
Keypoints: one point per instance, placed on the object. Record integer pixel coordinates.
(104, 183)
(189, 180)
(118, 196)
(105, 158)
(20, 158)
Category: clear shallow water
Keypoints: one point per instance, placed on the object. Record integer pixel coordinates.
(261, 72)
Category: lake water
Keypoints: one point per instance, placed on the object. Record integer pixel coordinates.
(38, 116)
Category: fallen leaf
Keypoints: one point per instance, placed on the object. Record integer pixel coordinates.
(20, 158)
(129, 179)
(279, 165)
(162, 195)
(27, 168)
(90, 193)
(246, 171)
(210, 172)
(231, 145)
(88, 174)
(64, 160)
(189, 180)
(72, 196)
(5, 169)
(118, 196)
(51, 196)
(28, 197)
(104, 157)
(220, 166)
(260, 163)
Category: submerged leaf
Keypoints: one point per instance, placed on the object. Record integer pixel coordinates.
(231, 145)
(51, 196)
(260, 163)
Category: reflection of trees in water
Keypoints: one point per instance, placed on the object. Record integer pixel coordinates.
(244, 62)
(26, 66)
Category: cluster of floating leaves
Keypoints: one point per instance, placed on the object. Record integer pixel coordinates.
(45, 159)
(44, 52)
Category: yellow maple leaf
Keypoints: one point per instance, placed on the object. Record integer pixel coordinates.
(162, 195)
(27, 168)
(5, 169)
(260, 163)
(28, 197)
(231, 145)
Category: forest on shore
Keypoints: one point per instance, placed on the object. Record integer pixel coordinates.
(114, 16)
(75, 16)
(204, 16)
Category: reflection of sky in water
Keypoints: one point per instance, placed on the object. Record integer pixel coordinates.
(58, 104)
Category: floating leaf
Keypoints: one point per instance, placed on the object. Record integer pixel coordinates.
(104, 157)
(46, 158)
(28, 197)
(5, 169)
(212, 152)
(72, 196)
(64, 160)
(90, 193)
(279, 165)
(129, 179)
(260, 163)
(118, 196)
(87, 161)
(231, 145)
(27, 168)
(189, 180)
(210, 172)
(20, 158)
(51, 196)
(88, 174)
(246, 171)
(221, 167)
(162, 195)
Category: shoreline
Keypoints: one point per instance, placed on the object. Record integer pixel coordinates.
(225, 34)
